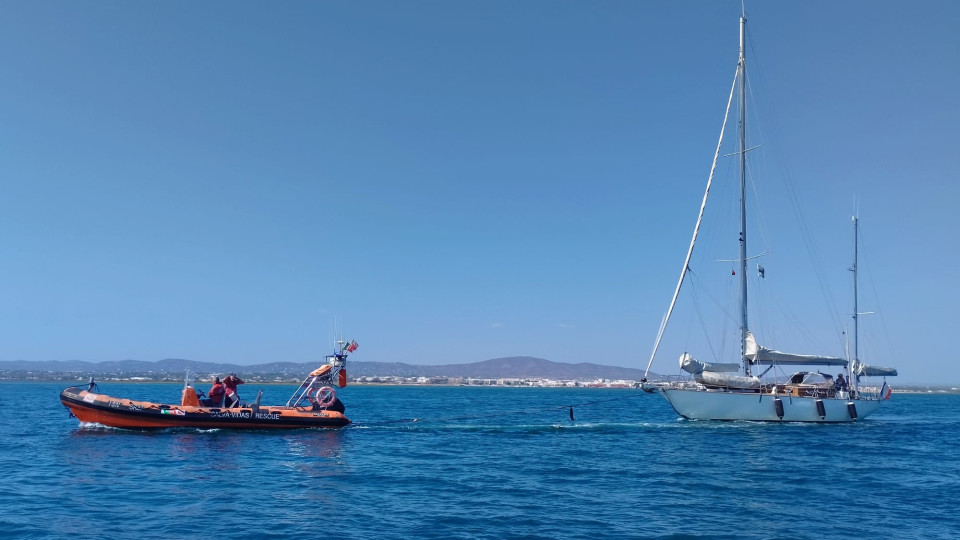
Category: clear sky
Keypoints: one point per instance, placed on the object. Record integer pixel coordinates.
(458, 181)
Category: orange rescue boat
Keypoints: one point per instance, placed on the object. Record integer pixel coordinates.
(313, 405)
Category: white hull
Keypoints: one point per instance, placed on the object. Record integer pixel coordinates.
(722, 405)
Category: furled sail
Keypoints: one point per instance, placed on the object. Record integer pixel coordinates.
(761, 355)
(692, 365)
(717, 374)
(874, 371)
(710, 378)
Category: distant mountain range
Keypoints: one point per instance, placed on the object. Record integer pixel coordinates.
(512, 367)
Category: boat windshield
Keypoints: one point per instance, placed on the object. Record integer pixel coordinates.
(817, 378)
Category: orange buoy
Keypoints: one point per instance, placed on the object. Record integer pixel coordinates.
(343, 378)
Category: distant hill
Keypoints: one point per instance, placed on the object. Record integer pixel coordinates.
(512, 367)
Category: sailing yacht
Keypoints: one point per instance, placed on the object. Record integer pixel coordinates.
(732, 391)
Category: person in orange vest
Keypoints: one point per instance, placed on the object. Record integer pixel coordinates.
(215, 395)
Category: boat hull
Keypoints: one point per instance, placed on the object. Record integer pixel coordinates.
(725, 405)
(90, 407)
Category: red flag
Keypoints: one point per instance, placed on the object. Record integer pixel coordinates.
(352, 347)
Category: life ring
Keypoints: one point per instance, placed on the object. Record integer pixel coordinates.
(326, 396)
(310, 398)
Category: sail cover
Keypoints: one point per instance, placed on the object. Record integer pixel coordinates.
(710, 378)
(692, 365)
(761, 355)
(875, 371)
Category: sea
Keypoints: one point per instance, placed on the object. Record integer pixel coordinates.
(480, 462)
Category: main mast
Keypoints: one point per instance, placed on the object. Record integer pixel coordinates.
(855, 362)
(743, 198)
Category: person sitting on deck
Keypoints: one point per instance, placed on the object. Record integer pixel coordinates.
(230, 385)
(215, 395)
(841, 383)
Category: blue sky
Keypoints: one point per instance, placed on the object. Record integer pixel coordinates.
(459, 181)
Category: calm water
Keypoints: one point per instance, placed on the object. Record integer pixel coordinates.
(481, 463)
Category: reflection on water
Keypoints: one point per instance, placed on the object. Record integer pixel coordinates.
(316, 459)
(315, 443)
(206, 449)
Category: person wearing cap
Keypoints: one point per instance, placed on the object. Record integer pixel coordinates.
(230, 387)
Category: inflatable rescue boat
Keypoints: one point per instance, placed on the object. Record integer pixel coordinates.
(313, 405)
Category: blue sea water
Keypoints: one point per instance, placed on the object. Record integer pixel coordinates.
(481, 463)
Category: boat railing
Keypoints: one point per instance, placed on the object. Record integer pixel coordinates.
(869, 392)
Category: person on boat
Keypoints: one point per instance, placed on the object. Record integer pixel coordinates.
(230, 386)
(215, 395)
(841, 383)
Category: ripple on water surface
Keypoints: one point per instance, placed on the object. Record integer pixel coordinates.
(483, 463)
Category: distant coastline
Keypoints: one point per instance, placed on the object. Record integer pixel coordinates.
(907, 389)
(12, 376)
(518, 371)
(268, 379)
(511, 371)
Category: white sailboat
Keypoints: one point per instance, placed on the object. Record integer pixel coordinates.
(731, 391)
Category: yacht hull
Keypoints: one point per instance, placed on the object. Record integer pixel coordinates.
(725, 405)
